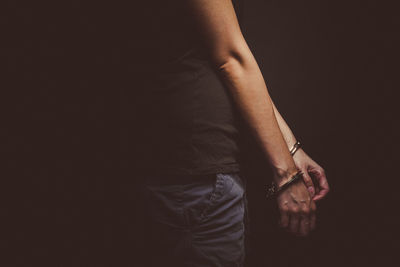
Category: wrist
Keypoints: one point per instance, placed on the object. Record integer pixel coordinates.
(291, 141)
(282, 175)
(275, 189)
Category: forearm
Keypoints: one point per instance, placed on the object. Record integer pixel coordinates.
(245, 81)
(286, 131)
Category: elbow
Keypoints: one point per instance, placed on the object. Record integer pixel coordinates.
(234, 64)
(233, 60)
(233, 57)
(230, 62)
(231, 68)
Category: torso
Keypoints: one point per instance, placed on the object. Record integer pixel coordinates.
(188, 123)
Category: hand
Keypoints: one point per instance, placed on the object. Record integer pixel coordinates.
(311, 169)
(297, 210)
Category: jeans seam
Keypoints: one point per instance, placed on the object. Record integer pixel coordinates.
(216, 194)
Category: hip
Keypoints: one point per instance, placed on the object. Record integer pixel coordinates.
(197, 219)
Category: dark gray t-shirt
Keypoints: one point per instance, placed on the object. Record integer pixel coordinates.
(185, 119)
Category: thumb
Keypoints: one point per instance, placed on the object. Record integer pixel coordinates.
(309, 183)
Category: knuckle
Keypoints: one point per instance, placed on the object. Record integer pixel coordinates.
(284, 209)
(327, 188)
(305, 210)
(295, 210)
(307, 180)
(306, 202)
(313, 208)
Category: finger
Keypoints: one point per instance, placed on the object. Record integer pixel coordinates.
(321, 194)
(313, 209)
(317, 191)
(284, 219)
(309, 183)
(313, 220)
(294, 223)
(304, 224)
(304, 228)
(323, 186)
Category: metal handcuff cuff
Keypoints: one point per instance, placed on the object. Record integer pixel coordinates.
(273, 189)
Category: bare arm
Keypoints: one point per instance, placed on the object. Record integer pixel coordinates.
(237, 67)
(240, 72)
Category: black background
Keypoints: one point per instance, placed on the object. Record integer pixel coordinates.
(68, 193)
(330, 69)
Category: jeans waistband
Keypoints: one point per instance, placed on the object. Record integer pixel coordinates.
(177, 179)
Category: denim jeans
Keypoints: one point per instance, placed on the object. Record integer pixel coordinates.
(195, 221)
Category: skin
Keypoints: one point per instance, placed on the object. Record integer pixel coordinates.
(217, 23)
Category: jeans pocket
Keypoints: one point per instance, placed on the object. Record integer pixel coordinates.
(225, 199)
(212, 197)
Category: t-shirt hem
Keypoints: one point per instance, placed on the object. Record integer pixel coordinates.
(231, 168)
